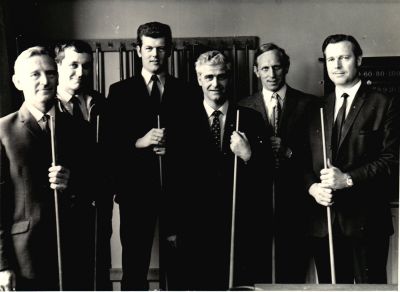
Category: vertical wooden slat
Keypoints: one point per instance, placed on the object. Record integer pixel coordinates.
(234, 68)
(97, 69)
(121, 62)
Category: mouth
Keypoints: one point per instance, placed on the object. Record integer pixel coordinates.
(338, 74)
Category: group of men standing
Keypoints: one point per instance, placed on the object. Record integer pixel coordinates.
(170, 154)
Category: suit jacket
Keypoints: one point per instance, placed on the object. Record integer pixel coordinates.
(203, 180)
(290, 198)
(27, 222)
(369, 152)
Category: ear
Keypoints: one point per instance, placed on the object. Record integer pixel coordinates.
(17, 82)
(199, 79)
(138, 51)
(255, 69)
(359, 61)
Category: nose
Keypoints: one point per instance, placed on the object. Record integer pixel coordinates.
(44, 79)
(271, 73)
(78, 71)
(214, 82)
(154, 52)
(338, 63)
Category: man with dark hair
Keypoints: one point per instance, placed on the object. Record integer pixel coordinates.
(203, 150)
(28, 245)
(134, 138)
(284, 112)
(85, 108)
(362, 129)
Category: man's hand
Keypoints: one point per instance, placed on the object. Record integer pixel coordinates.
(7, 280)
(59, 177)
(322, 195)
(154, 137)
(240, 145)
(332, 177)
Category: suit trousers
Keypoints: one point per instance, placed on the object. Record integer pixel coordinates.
(357, 260)
(136, 233)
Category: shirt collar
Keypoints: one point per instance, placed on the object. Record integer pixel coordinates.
(350, 91)
(37, 114)
(63, 95)
(209, 110)
(281, 92)
(147, 76)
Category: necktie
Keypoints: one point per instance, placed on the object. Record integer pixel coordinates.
(277, 112)
(216, 129)
(155, 91)
(45, 123)
(76, 110)
(338, 126)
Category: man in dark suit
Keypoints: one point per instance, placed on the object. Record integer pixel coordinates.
(85, 107)
(28, 248)
(134, 139)
(362, 129)
(202, 146)
(284, 111)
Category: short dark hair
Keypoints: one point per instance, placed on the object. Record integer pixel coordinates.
(78, 45)
(336, 38)
(154, 30)
(284, 58)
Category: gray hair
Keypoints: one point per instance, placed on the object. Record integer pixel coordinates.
(213, 58)
(29, 53)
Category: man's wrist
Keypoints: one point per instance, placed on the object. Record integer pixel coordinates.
(349, 180)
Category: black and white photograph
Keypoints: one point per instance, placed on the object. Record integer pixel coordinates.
(199, 145)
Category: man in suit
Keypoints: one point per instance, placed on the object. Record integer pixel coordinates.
(284, 111)
(28, 247)
(362, 129)
(85, 108)
(133, 138)
(202, 146)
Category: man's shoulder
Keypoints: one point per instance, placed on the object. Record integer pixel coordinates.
(250, 100)
(8, 121)
(129, 82)
(300, 95)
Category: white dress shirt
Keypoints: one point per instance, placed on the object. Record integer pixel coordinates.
(270, 103)
(149, 83)
(38, 115)
(339, 99)
(85, 102)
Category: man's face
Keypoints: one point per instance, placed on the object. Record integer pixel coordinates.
(270, 70)
(36, 77)
(154, 54)
(74, 70)
(341, 64)
(214, 81)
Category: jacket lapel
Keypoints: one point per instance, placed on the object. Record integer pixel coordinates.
(329, 109)
(289, 105)
(230, 126)
(259, 105)
(357, 104)
(29, 121)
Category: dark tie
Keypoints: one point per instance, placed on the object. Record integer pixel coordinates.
(155, 91)
(76, 110)
(45, 123)
(277, 112)
(216, 129)
(338, 126)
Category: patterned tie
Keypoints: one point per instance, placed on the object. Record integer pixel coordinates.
(216, 129)
(45, 123)
(277, 112)
(155, 92)
(76, 110)
(338, 126)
